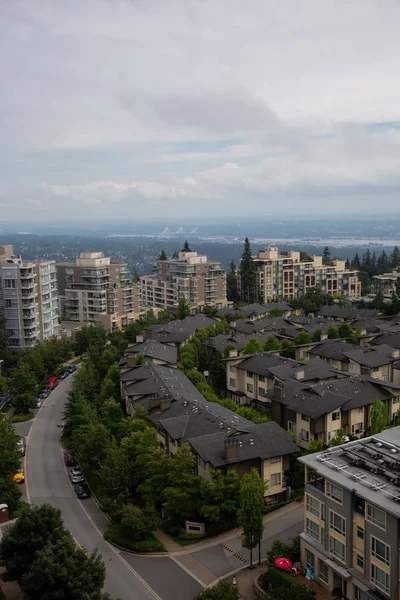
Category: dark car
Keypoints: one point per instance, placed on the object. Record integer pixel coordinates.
(71, 369)
(70, 460)
(82, 491)
(44, 393)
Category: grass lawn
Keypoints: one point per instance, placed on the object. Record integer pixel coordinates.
(22, 418)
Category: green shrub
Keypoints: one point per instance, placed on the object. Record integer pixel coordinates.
(22, 418)
(268, 509)
(22, 508)
(280, 549)
(277, 578)
(191, 536)
(117, 536)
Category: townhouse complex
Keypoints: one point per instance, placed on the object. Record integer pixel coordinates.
(290, 275)
(96, 290)
(385, 283)
(28, 299)
(189, 275)
(352, 517)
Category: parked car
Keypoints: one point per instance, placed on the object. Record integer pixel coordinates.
(38, 403)
(44, 393)
(64, 375)
(72, 368)
(69, 459)
(21, 446)
(19, 476)
(82, 491)
(52, 383)
(76, 475)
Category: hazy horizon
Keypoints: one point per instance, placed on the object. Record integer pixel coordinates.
(115, 110)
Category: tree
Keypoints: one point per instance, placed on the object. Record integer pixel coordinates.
(9, 455)
(316, 336)
(395, 258)
(182, 497)
(221, 591)
(356, 264)
(25, 538)
(340, 438)
(326, 255)
(163, 255)
(183, 310)
(140, 360)
(137, 523)
(114, 475)
(231, 283)
(271, 344)
(250, 515)
(302, 338)
(287, 349)
(294, 592)
(186, 247)
(220, 495)
(332, 333)
(248, 275)
(24, 387)
(252, 346)
(345, 330)
(90, 443)
(379, 417)
(63, 571)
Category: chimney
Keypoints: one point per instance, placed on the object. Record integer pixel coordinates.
(139, 339)
(300, 374)
(231, 448)
(233, 353)
(323, 337)
(395, 353)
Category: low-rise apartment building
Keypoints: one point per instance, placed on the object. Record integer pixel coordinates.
(352, 517)
(317, 411)
(29, 299)
(289, 275)
(96, 290)
(189, 275)
(386, 283)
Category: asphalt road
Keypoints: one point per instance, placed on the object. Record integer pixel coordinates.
(47, 482)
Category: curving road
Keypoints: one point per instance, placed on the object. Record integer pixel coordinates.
(47, 482)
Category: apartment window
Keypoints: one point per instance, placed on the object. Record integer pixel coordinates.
(262, 392)
(337, 549)
(357, 428)
(276, 459)
(250, 387)
(337, 523)
(360, 410)
(352, 367)
(313, 530)
(380, 551)
(359, 594)
(336, 416)
(335, 492)
(249, 374)
(359, 505)
(310, 560)
(232, 382)
(323, 572)
(380, 578)
(360, 562)
(261, 378)
(360, 532)
(376, 516)
(275, 479)
(313, 506)
(8, 304)
(305, 418)
(291, 427)
(232, 369)
(305, 435)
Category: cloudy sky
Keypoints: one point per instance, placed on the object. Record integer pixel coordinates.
(128, 109)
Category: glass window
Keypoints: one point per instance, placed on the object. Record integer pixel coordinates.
(275, 479)
(360, 532)
(360, 562)
(249, 387)
(380, 578)
(337, 523)
(313, 530)
(232, 369)
(305, 435)
(313, 506)
(359, 594)
(261, 378)
(336, 416)
(376, 516)
(232, 382)
(305, 418)
(323, 572)
(249, 374)
(291, 427)
(310, 560)
(337, 549)
(359, 506)
(380, 550)
(334, 491)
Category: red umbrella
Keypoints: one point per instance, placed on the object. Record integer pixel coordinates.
(283, 563)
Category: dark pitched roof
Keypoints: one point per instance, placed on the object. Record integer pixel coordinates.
(284, 306)
(314, 368)
(180, 330)
(252, 310)
(154, 349)
(349, 314)
(263, 441)
(391, 339)
(372, 357)
(260, 363)
(333, 349)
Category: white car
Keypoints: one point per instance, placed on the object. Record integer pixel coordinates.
(38, 403)
(76, 475)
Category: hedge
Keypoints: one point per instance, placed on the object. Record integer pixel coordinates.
(117, 536)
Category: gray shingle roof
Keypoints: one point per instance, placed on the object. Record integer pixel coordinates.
(349, 314)
(154, 349)
(260, 363)
(263, 441)
(333, 349)
(391, 339)
(372, 357)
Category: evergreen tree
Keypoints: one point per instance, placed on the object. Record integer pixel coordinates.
(366, 262)
(248, 275)
(373, 259)
(356, 264)
(395, 258)
(326, 255)
(379, 416)
(186, 247)
(347, 265)
(231, 283)
(163, 255)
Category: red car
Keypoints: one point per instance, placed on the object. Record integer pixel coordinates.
(52, 383)
(70, 460)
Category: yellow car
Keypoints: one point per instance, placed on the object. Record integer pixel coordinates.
(19, 476)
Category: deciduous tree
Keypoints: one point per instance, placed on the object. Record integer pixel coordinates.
(252, 346)
(379, 416)
(250, 514)
(24, 387)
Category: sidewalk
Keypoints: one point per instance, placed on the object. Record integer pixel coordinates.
(174, 548)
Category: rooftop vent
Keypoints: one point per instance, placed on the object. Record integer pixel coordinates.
(251, 442)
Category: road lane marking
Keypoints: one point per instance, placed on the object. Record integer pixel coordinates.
(188, 571)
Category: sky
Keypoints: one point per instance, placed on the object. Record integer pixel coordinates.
(135, 109)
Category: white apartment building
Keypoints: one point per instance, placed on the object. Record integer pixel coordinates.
(189, 276)
(287, 275)
(28, 299)
(93, 289)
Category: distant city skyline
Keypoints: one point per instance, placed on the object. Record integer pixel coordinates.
(114, 109)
